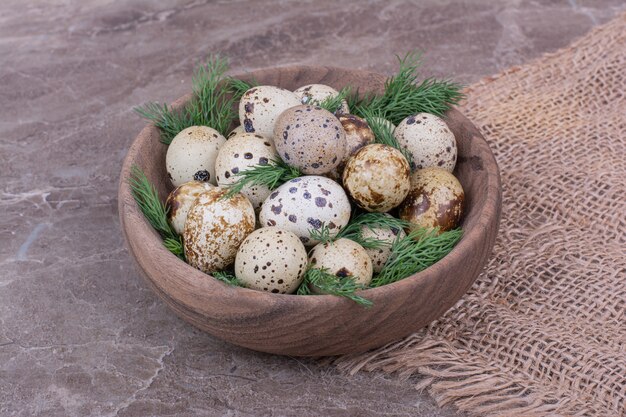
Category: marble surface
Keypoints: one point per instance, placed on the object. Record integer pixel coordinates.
(80, 333)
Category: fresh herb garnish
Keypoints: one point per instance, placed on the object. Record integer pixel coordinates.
(383, 133)
(212, 104)
(404, 96)
(416, 252)
(147, 198)
(353, 230)
(227, 278)
(272, 175)
(328, 283)
(334, 103)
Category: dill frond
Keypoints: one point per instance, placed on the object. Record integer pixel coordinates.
(328, 283)
(272, 175)
(147, 198)
(227, 278)
(416, 252)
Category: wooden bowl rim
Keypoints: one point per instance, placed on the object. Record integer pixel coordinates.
(196, 278)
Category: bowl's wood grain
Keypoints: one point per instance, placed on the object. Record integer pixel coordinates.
(317, 325)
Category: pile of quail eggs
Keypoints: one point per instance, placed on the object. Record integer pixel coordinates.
(264, 235)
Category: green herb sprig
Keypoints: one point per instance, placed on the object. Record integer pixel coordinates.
(416, 252)
(227, 278)
(212, 104)
(328, 283)
(404, 95)
(353, 230)
(147, 198)
(383, 132)
(272, 175)
(334, 103)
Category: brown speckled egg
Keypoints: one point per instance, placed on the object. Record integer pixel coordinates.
(238, 154)
(310, 138)
(180, 201)
(215, 228)
(429, 141)
(191, 155)
(260, 106)
(307, 203)
(358, 134)
(380, 255)
(271, 259)
(316, 93)
(377, 177)
(435, 200)
(343, 258)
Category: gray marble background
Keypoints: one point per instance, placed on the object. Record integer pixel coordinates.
(80, 333)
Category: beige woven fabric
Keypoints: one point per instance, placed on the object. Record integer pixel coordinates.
(543, 330)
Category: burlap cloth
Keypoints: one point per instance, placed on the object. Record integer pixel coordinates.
(543, 330)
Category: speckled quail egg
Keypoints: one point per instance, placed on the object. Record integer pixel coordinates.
(191, 155)
(380, 255)
(435, 200)
(429, 141)
(180, 201)
(239, 153)
(271, 259)
(358, 134)
(239, 129)
(377, 177)
(260, 106)
(304, 204)
(310, 138)
(215, 228)
(343, 258)
(317, 93)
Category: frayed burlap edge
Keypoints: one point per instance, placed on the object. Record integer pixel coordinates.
(442, 359)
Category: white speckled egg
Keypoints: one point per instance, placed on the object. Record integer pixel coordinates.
(310, 138)
(180, 201)
(429, 140)
(215, 228)
(317, 93)
(380, 255)
(435, 200)
(377, 177)
(260, 106)
(191, 155)
(239, 153)
(307, 203)
(343, 258)
(271, 259)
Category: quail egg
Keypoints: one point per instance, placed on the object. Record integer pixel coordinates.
(180, 201)
(191, 155)
(260, 106)
(358, 134)
(343, 258)
(214, 229)
(271, 259)
(310, 138)
(429, 141)
(317, 93)
(380, 255)
(377, 177)
(304, 204)
(435, 200)
(238, 154)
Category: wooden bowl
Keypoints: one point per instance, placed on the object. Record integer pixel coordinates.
(320, 324)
